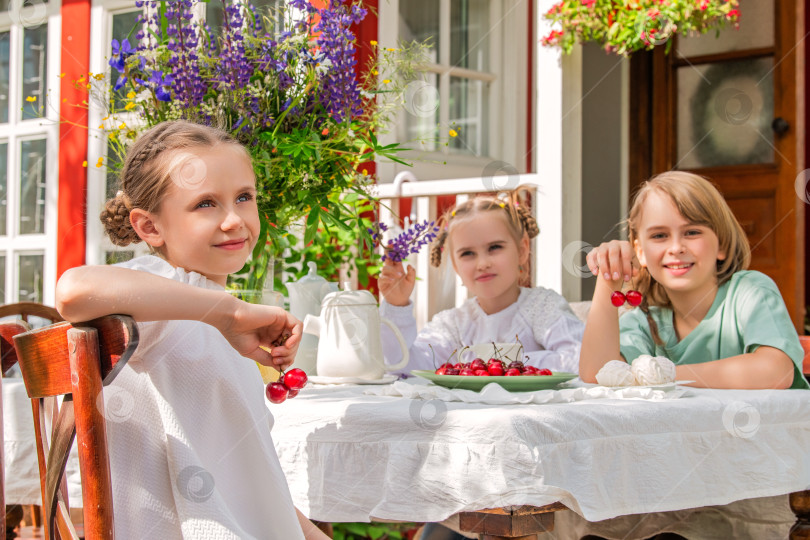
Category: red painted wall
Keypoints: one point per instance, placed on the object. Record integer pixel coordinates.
(71, 209)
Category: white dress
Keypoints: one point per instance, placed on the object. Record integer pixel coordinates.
(189, 436)
(541, 319)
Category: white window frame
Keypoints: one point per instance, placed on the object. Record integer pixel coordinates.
(507, 97)
(17, 130)
(98, 243)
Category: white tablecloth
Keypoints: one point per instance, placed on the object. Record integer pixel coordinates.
(350, 456)
(21, 468)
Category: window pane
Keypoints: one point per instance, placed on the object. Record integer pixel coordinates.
(32, 187)
(214, 15)
(3, 186)
(756, 30)
(4, 5)
(112, 257)
(469, 116)
(421, 126)
(35, 63)
(418, 21)
(4, 76)
(725, 110)
(30, 278)
(469, 28)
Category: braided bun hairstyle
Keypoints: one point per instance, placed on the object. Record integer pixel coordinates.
(518, 218)
(700, 203)
(147, 171)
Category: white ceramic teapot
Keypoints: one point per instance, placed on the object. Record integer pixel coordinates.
(306, 296)
(350, 344)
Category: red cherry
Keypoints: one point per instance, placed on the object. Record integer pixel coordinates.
(452, 371)
(517, 364)
(295, 379)
(276, 392)
(634, 298)
(494, 362)
(293, 392)
(459, 366)
(477, 364)
(530, 370)
(467, 372)
(442, 371)
(481, 373)
(617, 298)
(544, 371)
(495, 370)
(511, 372)
(446, 365)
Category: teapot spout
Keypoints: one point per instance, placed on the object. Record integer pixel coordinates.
(312, 325)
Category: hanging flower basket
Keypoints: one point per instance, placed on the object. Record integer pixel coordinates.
(627, 26)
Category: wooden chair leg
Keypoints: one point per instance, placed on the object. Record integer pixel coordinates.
(800, 504)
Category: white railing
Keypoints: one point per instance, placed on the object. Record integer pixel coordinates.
(438, 289)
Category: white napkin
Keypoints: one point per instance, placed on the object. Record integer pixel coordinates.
(494, 394)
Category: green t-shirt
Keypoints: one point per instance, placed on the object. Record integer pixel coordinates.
(747, 312)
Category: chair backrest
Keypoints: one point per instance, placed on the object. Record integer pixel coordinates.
(8, 330)
(74, 362)
(23, 310)
(805, 341)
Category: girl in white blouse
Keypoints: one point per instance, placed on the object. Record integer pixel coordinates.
(487, 241)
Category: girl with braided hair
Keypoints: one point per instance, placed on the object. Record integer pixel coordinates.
(190, 399)
(722, 325)
(486, 239)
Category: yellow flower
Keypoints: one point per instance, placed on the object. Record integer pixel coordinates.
(61, 75)
(123, 125)
(129, 106)
(375, 72)
(84, 163)
(88, 86)
(101, 126)
(131, 94)
(391, 49)
(453, 133)
(98, 76)
(100, 162)
(373, 43)
(31, 99)
(386, 81)
(106, 118)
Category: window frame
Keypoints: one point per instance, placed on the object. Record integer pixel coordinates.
(14, 133)
(506, 63)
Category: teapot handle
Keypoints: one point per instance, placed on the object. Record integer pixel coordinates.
(404, 362)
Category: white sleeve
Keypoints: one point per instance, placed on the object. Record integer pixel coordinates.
(440, 334)
(556, 329)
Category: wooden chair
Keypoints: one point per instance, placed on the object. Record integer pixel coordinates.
(75, 362)
(8, 353)
(24, 310)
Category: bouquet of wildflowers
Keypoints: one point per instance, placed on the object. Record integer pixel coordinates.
(285, 85)
(628, 26)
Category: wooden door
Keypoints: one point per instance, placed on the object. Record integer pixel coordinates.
(725, 108)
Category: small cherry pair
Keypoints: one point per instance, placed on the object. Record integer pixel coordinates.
(633, 298)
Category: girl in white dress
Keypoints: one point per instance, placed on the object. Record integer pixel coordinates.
(189, 432)
(487, 241)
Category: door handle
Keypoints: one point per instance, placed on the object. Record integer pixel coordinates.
(780, 126)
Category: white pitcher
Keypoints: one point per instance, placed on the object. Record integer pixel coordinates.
(306, 296)
(349, 329)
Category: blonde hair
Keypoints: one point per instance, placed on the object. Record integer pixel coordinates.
(700, 203)
(519, 219)
(145, 177)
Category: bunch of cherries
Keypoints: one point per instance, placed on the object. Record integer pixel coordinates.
(494, 367)
(618, 298)
(287, 386)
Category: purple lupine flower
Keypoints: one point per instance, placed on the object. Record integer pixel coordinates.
(408, 242)
(341, 93)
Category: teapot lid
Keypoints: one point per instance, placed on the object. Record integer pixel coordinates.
(349, 298)
(312, 276)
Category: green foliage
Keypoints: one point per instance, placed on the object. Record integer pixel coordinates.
(373, 531)
(626, 26)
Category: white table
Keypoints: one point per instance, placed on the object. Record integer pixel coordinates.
(349, 456)
(21, 468)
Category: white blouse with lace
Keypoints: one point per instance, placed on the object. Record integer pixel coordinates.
(541, 319)
(189, 435)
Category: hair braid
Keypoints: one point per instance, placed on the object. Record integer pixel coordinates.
(436, 249)
(527, 220)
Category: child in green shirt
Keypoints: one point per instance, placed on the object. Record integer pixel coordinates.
(722, 325)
